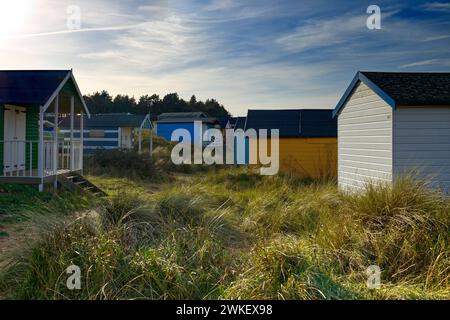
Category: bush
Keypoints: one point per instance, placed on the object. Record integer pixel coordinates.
(121, 163)
(131, 164)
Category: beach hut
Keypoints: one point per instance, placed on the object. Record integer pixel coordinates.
(307, 139)
(107, 131)
(31, 106)
(196, 123)
(392, 123)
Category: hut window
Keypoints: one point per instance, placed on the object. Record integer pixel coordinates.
(97, 133)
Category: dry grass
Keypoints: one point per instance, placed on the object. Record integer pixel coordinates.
(235, 234)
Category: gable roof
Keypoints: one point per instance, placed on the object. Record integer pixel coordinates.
(35, 87)
(403, 88)
(223, 121)
(29, 87)
(294, 122)
(105, 120)
(240, 123)
(232, 122)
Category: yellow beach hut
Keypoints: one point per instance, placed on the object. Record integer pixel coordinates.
(307, 139)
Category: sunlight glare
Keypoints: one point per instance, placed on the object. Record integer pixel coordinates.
(12, 16)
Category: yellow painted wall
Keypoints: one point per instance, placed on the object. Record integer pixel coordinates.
(307, 157)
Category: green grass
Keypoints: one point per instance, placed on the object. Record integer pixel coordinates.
(233, 234)
(19, 203)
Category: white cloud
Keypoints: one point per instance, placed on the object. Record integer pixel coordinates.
(67, 31)
(420, 63)
(434, 38)
(437, 6)
(323, 33)
(221, 5)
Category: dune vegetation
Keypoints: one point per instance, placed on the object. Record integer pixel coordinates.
(233, 234)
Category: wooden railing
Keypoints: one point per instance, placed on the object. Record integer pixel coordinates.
(66, 160)
(21, 157)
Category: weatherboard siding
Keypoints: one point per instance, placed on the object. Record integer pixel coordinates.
(90, 144)
(422, 143)
(364, 140)
(165, 130)
(305, 157)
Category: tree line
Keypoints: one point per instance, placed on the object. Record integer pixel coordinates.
(103, 102)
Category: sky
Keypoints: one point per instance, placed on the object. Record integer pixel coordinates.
(247, 54)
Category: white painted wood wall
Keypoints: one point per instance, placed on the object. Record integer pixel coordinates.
(377, 144)
(421, 142)
(364, 140)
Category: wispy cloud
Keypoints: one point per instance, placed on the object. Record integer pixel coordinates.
(68, 31)
(420, 63)
(437, 6)
(435, 38)
(336, 30)
(215, 5)
(322, 33)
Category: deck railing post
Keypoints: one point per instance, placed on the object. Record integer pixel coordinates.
(151, 135)
(140, 140)
(55, 144)
(72, 108)
(81, 139)
(41, 149)
(31, 158)
(151, 142)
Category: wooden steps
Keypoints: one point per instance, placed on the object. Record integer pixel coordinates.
(73, 181)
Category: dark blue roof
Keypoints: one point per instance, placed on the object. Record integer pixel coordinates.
(240, 123)
(414, 88)
(232, 121)
(307, 123)
(223, 121)
(28, 87)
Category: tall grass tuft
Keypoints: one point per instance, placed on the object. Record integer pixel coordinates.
(235, 234)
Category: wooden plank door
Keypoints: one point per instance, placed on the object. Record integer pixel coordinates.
(14, 137)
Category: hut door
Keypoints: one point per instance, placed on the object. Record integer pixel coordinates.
(14, 135)
(126, 137)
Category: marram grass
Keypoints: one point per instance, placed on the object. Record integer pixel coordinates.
(233, 234)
